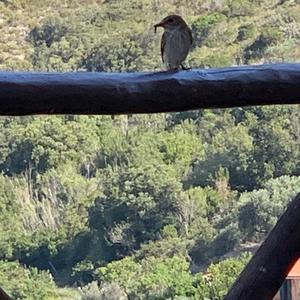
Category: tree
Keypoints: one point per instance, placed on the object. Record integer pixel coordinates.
(153, 278)
(259, 210)
(26, 283)
(219, 277)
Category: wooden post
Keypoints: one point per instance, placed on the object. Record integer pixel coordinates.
(268, 268)
(122, 93)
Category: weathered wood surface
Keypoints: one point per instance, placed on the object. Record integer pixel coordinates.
(120, 93)
(266, 271)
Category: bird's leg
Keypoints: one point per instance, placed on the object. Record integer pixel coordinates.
(184, 68)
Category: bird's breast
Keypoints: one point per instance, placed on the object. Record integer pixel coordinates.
(177, 45)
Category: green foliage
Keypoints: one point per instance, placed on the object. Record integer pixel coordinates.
(46, 143)
(154, 187)
(269, 36)
(246, 32)
(214, 59)
(115, 53)
(259, 210)
(170, 278)
(238, 8)
(91, 291)
(26, 283)
(118, 36)
(217, 280)
(157, 277)
(11, 227)
(53, 30)
(202, 26)
(123, 271)
(107, 291)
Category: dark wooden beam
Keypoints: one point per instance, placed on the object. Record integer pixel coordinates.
(266, 271)
(152, 92)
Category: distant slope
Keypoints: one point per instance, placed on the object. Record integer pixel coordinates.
(226, 33)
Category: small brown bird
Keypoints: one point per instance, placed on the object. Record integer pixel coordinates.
(176, 41)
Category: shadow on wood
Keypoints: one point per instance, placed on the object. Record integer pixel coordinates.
(3, 295)
(268, 268)
(121, 93)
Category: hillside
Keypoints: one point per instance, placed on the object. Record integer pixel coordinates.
(148, 206)
(118, 35)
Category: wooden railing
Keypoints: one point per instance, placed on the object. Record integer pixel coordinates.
(122, 93)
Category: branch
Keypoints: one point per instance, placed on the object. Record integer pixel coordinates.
(268, 268)
(122, 93)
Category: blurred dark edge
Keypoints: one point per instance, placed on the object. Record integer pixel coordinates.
(3, 295)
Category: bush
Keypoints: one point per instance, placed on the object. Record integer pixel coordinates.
(218, 278)
(259, 210)
(238, 8)
(269, 36)
(202, 26)
(107, 291)
(51, 31)
(26, 283)
(246, 31)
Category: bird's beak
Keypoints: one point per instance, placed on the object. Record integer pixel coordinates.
(158, 25)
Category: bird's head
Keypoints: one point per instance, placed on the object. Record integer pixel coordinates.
(171, 22)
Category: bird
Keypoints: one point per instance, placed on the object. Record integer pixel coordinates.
(176, 41)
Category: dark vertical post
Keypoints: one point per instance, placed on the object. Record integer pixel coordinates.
(268, 268)
(3, 295)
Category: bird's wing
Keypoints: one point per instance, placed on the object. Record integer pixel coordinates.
(190, 35)
(162, 46)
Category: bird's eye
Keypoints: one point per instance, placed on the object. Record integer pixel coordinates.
(170, 20)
